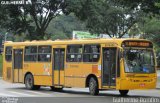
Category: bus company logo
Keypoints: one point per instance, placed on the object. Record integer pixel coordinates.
(135, 100)
(15, 2)
(46, 69)
(9, 100)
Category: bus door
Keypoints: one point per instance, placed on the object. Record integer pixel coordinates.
(109, 67)
(18, 65)
(58, 66)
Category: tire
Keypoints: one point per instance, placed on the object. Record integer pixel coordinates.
(29, 83)
(123, 92)
(93, 86)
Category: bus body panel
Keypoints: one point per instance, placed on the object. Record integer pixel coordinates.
(43, 80)
(42, 72)
(76, 73)
(7, 72)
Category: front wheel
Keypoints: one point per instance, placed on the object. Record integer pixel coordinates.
(93, 86)
(123, 92)
(29, 82)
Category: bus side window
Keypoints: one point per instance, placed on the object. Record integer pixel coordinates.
(91, 53)
(30, 53)
(74, 53)
(8, 53)
(44, 53)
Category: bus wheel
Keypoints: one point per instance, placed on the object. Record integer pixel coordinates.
(123, 92)
(93, 86)
(29, 82)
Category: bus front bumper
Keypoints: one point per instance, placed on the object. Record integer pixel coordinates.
(136, 83)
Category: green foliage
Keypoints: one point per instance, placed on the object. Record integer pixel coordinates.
(59, 36)
(157, 4)
(148, 6)
(33, 18)
(134, 31)
(149, 29)
(112, 17)
(63, 26)
(105, 16)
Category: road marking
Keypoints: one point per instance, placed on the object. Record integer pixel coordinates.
(37, 92)
(6, 95)
(21, 93)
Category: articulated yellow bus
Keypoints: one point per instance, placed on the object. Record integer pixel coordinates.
(100, 64)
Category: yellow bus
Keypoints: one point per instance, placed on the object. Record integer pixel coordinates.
(100, 64)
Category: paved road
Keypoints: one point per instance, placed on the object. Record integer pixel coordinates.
(71, 95)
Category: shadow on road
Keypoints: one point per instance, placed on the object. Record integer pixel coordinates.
(85, 93)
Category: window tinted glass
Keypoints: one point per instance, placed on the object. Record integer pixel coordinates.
(74, 53)
(91, 53)
(44, 49)
(30, 53)
(30, 49)
(44, 53)
(8, 53)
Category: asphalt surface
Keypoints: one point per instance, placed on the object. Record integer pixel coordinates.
(18, 94)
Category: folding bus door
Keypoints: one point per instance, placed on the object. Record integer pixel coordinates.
(18, 65)
(109, 66)
(58, 66)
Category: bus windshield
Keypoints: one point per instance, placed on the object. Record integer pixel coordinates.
(139, 61)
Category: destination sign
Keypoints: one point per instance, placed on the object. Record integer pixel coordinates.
(137, 44)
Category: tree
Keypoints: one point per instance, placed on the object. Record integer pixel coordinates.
(105, 16)
(151, 29)
(157, 4)
(63, 26)
(34, 17)
(148, 6)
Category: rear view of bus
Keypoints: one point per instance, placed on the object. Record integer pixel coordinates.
(137, 65)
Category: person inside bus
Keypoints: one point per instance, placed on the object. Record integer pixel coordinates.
(133, 63)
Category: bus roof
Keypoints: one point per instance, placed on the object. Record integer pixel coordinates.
(74, 41)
